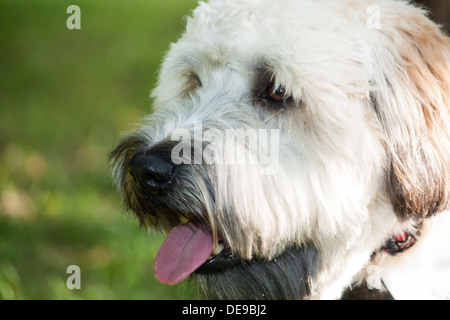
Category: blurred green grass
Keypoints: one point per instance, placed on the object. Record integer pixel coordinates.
(65, 96)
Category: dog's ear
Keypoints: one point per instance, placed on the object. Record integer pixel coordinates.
(412, 100)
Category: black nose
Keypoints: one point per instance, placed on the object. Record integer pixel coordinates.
(152, 170)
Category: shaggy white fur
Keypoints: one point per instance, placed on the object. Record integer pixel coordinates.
(363, 146)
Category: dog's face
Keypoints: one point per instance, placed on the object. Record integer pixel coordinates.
(289, 139)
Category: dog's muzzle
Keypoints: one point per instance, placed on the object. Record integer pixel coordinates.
(181, 199)
(157, 187)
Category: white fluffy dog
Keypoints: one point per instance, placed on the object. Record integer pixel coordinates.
(355, 98)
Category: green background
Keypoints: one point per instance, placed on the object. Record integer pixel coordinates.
(65, 98)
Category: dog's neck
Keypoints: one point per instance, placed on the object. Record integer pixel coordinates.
(396, 244)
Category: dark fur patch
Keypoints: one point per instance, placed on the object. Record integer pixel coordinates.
(286, 277)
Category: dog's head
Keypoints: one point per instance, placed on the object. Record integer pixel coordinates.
(289, 139)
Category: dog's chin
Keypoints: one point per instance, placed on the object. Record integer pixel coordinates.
(287, 276)
(226, 275)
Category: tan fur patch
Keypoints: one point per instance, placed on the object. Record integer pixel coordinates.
(419, 175)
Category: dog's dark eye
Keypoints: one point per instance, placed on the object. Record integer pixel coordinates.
(193, 82)
(276, 94)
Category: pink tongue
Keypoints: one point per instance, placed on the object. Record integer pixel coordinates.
(185, 248)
